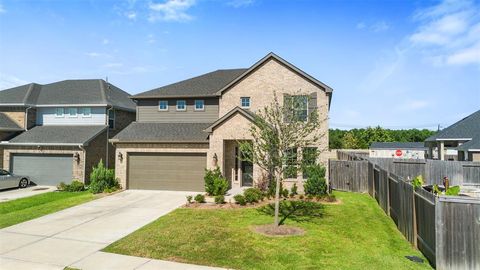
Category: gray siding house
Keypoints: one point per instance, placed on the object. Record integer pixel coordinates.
(57, 132)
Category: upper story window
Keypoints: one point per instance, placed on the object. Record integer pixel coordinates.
(59, 112)
(163, 105)
(199, 105)
(111, 118)
(299, 107)
(87, 112)
(72, 112)
(245, 102)
(181, 105)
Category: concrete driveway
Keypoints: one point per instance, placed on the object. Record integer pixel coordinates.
(66, 237)
(17, 193)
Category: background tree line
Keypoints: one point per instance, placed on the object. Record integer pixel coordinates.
(362, 138)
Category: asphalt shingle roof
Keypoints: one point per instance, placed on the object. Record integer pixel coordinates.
(8, 124)
(88, 92)
(468, 127)
(397, 145)
(59, 135)
(204, 85)
(473, 144)
(163, 132)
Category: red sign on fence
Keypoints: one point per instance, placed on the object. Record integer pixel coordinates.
(398, 153)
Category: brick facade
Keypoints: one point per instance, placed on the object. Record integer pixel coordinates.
(17, 114)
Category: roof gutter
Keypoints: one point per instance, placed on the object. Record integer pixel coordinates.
(41, 144)
(113, 141)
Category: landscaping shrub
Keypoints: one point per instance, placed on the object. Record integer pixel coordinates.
(294, 190)
(253, 195)
(103, 179)
(284, 193)
(316, 184)
(200, 198)
(215, 183)
(299, 211)
(189, 199)
(219, 199)
(240, 199)
(75, 186)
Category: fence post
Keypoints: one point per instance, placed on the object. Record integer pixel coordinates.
(415, 241)
(388, 193)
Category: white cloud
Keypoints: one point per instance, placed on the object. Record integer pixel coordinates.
(151, 39)
(9, 81)
(171, 10)
(2, 9)
(240, 3)
(97, 54)
(105, 41)
(361, 25)
(131, 15)
(449, 32)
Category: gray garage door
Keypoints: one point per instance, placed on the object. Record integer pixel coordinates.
(48, 170)
(166, 171)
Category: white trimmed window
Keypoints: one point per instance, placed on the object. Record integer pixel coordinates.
(163, 105)
(245, 102)
(181, 105)
(72, 112)
(87, 112)
(59, 112)
(111, 119)
(199, 105)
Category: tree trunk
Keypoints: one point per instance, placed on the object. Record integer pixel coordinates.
(277, 200)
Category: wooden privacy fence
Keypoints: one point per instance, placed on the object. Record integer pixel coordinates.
(446, 229)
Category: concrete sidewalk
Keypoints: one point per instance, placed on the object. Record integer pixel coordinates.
(12, 194)
(75, 234)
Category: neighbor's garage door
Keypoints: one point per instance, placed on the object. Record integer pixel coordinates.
(48, 170)
(166, 171)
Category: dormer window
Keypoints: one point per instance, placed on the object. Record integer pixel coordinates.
(181, 105)
(59, 112)
(163, 105)
(245, 102)
(87, 112)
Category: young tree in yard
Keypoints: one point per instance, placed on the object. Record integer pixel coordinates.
(278, 130)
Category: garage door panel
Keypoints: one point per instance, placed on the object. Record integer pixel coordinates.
(166, 171)
(48, 170)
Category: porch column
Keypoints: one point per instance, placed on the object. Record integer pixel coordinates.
(430, 151)
(441, 150)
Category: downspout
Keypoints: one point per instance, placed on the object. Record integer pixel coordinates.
(108, 133)
(84, 163)
(26, 118)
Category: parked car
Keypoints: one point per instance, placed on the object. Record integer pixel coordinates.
(10, 180)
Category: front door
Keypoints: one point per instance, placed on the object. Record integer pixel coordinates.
(247, 174)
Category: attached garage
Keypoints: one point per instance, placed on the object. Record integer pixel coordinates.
(43, 169)
(166, 171)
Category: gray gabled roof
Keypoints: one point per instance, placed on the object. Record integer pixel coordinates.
(467, 128)
(7, 124)
(68, 92)
(269, 56)
(162, 132)
(57, 135)
(201, 86)
(248, 114)
(474, 144)
(397, 145)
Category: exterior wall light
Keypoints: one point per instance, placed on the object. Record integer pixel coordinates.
(76, 157)
(120, 156)
(215, 160)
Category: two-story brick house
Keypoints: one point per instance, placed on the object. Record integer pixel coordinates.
(185, 127)
(56, 132)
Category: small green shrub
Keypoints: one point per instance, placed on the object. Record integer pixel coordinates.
(219, 199)
(189, 199)
(215, 183)
(102, 178)
(316, 183)
(417, 182)
(75, 186)
(240, 199)
(200, 198)
(284, 193)
(452, 191)
(253, 195)
(294, 190)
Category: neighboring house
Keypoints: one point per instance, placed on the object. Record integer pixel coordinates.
(63, 128)
(400, 150)
(459, 141)
(185, 127)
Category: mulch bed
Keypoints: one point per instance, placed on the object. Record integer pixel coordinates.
(210, 205)
(282, 230)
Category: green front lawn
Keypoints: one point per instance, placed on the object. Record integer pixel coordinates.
(23, 209)
(353, 235)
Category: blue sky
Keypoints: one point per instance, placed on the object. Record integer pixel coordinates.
(398, 64)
